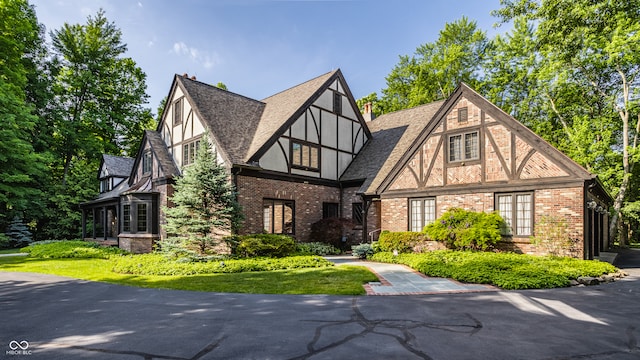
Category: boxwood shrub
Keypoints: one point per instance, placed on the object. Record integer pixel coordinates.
(269, 245)
(402, 241)
(317, 248)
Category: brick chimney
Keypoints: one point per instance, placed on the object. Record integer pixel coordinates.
(367, 113)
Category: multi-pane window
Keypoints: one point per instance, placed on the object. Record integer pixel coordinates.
(464, 147)
(304, 156)
(189, 152)
(278, 216)
(142, 217)
(517, 211)
(329, 210)
(126, 218)
(357, 213)
(422, 213)
(146, 161)
(177, 112)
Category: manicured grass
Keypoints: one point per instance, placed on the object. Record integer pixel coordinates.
(9, 251)
(334, 280)
(505, 270)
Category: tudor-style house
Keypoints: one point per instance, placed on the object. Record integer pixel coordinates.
(308, 153)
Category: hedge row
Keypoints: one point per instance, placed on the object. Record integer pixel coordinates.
(505, 270)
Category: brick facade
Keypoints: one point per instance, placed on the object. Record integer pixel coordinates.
(558, 204)
(308, 202)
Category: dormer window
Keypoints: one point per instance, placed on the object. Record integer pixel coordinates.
(177, 112)
(105, 185)
(146, 162)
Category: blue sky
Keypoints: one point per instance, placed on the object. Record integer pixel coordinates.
(260, 47)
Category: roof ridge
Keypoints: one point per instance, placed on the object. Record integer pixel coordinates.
(300, 84)
(215, 88)
(411, 108)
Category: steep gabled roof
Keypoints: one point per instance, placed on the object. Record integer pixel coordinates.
(463, 90)
(281, 107)
(119, 166)
(393, 134)
(232, 119)
(161, 153)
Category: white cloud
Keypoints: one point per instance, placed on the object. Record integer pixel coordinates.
(204, 58)
(139, 4)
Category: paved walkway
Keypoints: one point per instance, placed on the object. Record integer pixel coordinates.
(402, 280)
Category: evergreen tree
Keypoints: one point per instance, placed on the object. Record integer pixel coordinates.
(18, 233)
(205, 207)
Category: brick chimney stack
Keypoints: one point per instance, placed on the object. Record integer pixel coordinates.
(368, 114)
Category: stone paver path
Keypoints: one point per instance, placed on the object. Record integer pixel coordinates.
(401, 280)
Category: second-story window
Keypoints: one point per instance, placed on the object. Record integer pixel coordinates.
(304, 156)
(189, 152)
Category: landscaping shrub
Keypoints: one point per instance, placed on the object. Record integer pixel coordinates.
(317, 248)
(269, 245)
(402, 241)
(362, 251)
(157, 264)
(466, 230)
(332, 231)
(70, 249)
(5, 243)
(505, 270)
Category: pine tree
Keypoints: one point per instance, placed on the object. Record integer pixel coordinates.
(205, 208)
(18, 233)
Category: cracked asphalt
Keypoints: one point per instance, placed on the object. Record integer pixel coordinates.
(62, 318)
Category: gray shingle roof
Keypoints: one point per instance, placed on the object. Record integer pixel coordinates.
(161, 153)
(231, 118)
(241, 125)
(281, 107)
(119, 166)
(393, 134)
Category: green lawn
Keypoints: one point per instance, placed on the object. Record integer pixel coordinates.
(334, 280)
(9, 251)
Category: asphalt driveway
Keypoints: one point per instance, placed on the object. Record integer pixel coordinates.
(49, 317)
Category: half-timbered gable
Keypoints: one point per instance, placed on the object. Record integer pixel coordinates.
(472, 155)
(319, 129)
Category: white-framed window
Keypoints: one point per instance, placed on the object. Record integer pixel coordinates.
(517, 211)
(464, 147)
(190, 151)
(422, 212)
